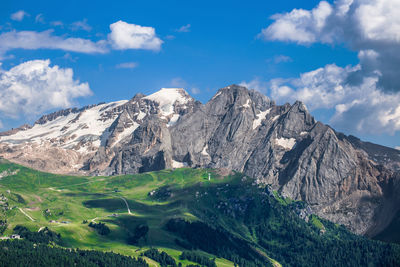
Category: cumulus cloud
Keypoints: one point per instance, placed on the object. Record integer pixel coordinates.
(362, 108)
(184, 28)
(46, 40)
(34, 87)
(127, 65)
(365, 97)
(370, 27)
(131, 36)
(19, 15)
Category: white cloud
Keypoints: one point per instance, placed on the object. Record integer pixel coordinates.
(19, 15)
(39, 18)
(81, 25)
(361, 108)
(127, 65)
(184, 28)
(365, 97)
(34, 87)
(397, 147)
(46, 40)
(131, 36)
(123, 36)
(1, 125)
(364, 26)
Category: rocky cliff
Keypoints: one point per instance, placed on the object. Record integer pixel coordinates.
(342, 178)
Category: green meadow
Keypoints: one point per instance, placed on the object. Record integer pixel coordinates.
(63, 203)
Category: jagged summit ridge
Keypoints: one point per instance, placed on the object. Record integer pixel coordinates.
(238, 129)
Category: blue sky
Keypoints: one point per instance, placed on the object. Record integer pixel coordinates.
(288, 50)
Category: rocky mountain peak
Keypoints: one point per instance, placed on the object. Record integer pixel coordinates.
(238, 129)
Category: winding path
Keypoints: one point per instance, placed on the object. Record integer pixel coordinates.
(127, 206)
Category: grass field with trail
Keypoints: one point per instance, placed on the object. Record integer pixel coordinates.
(62, 203)
(227, 217)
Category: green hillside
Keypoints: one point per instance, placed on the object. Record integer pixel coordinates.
(229, 218)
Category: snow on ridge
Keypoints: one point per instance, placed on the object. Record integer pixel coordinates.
(287, 143)
(167, 97)
(260, 117)
(71, 129)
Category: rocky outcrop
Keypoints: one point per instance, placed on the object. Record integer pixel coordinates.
(341, 178)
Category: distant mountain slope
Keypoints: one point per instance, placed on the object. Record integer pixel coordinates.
(342, 179)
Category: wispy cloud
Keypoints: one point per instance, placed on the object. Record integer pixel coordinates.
(81, 25)
(184, 28)
(57, 23)
(282, 58)
(127, 65)
(123, 36)
(256, 84)
(46, 40)
(195, 90)
(39, 18)
(19, 15)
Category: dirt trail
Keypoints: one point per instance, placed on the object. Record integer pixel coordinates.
(27, 215)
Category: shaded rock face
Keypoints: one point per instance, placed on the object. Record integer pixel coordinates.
(342, 178)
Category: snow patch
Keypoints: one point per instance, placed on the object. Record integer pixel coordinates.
(141, 115)
(127, 132)
(287, 143)
(167, 97)
(259, 118)
(204, 151)
(173, 120)
(177, 164)
(217, 95)
(276, 117)
(303, 133)
(247, 104)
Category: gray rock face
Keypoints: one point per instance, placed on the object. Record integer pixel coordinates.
(342, 178)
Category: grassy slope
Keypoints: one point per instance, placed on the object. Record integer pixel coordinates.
(74, 199)
(230, 203)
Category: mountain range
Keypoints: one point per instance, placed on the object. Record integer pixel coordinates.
(340, 177)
